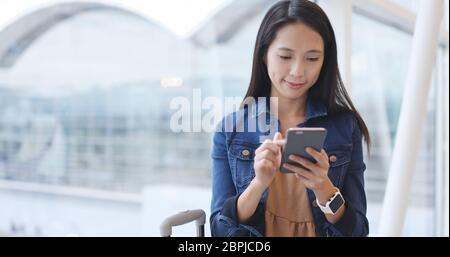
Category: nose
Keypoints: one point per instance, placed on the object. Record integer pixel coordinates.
(297, 70)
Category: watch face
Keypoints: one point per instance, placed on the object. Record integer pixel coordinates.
(337, 202)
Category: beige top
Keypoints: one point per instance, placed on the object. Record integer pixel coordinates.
(288, 212)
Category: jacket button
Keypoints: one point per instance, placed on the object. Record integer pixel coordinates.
(333, 158)
(245, 153)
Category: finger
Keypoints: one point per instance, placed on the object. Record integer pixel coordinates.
(325, 155)
(304, 162)
(307, 183)
(280, 142)
(320, 157)
(265, 163)
(277, 136)
(300, 171)
(266, 154)
(278, 139)
(267, 145)
(326, 160)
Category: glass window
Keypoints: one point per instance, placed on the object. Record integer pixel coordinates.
(96, 113)
(411, 5)
(380, 58)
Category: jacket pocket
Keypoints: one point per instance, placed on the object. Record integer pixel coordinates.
(339, 157)
(242, 156)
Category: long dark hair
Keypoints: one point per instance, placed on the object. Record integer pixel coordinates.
(329, 87)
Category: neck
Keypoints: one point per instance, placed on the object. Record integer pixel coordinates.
(290, 108)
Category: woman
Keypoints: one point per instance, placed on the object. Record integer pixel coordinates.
(295, 61)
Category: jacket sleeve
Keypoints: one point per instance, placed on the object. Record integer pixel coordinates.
(354, 221)
(223, 219)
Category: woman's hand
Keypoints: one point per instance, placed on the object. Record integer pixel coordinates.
(316, 177)
(267, 160)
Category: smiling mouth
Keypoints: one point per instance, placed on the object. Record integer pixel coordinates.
(294, 85)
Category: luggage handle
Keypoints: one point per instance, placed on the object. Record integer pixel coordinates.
(182, 218)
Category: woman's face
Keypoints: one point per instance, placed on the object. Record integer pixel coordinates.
(294, 60)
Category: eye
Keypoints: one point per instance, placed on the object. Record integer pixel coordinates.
(313, 59)
(284, 57)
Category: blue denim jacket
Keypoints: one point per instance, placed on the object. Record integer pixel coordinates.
(232, 156)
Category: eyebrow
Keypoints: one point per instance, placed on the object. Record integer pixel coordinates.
(290, 50)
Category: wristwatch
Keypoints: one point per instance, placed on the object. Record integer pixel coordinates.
(333, 205)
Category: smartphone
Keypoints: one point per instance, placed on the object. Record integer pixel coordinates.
(297, 139)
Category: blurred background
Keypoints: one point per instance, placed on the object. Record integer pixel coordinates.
(85, 86)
